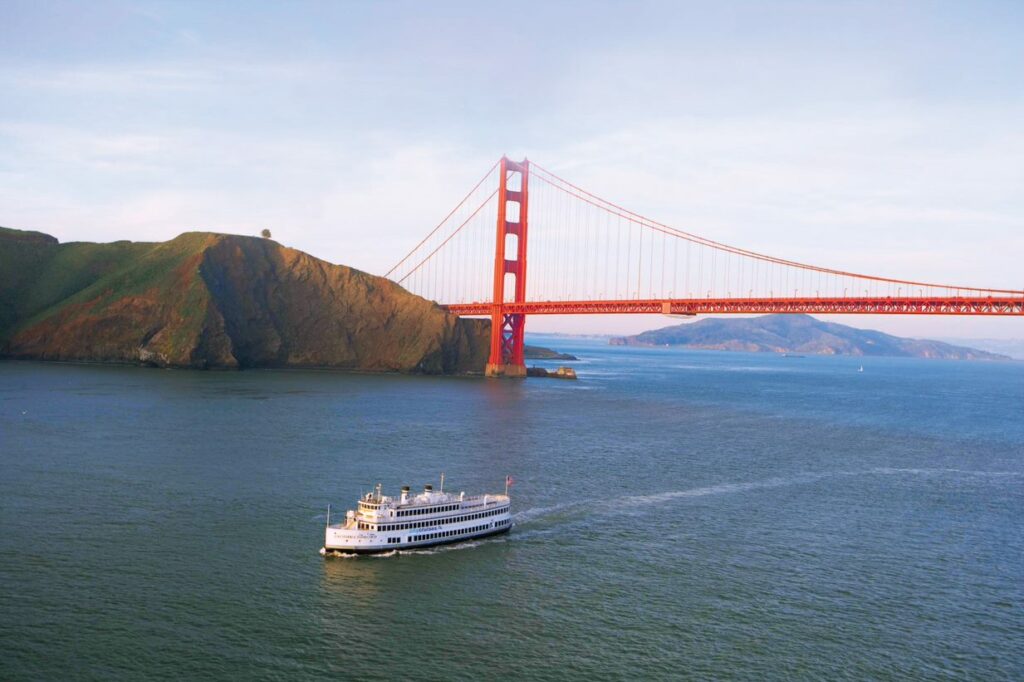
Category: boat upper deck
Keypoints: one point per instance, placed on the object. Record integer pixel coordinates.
(427, 503)
(427, 507)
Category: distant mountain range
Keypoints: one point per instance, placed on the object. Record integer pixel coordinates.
(798, 334)
(1012, 347)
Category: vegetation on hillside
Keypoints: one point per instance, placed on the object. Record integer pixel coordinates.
(212, 300)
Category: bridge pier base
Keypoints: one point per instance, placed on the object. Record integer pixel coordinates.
(507, 345)
(506, 371)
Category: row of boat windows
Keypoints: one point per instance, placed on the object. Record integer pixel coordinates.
(435, 522)
(428, 510)
(450, 533)
(447, 533)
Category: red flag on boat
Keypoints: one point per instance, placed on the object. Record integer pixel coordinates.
(508, 481)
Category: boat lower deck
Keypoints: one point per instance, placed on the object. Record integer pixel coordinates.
(422, 544)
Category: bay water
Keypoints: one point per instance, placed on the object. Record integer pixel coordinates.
(678, 515)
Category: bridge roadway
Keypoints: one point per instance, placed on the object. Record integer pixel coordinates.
(949, 305)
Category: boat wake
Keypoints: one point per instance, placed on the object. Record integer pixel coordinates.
(428, 551)
(540, 512)
(633, 504)
(945, 472)
(724, 488)
(621, 505)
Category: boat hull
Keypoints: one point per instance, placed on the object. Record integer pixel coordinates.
(418, 545)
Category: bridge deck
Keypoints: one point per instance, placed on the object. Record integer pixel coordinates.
(957, 305)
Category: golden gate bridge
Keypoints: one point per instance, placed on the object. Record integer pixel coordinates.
(588, 255)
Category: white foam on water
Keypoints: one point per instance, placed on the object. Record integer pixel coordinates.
(723, 488)
(526, 535)
(455, 547)
(335, 554)
(631, 503)
(941, 472)
(538, 512)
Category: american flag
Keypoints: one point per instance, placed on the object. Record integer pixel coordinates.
(508, 481)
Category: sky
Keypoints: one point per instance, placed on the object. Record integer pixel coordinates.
(883, 138)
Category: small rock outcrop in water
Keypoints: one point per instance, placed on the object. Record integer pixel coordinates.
(797, 334)
(560, 373)
(207, 300)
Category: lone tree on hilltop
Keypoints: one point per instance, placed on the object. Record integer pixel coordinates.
(265, 233)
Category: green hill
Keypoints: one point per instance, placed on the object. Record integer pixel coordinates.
(218, 301)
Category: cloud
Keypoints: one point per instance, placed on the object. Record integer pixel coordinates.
(363, 204)
(38, 145)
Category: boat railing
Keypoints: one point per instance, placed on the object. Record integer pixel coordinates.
(474, 502)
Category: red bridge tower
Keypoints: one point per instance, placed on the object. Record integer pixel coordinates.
(506, 358)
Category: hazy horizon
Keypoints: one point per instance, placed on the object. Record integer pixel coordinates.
(872, 138)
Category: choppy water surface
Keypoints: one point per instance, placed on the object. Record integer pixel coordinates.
(679, 515)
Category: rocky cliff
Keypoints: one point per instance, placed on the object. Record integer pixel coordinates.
(208, 300)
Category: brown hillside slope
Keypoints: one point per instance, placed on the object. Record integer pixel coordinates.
(221, 301)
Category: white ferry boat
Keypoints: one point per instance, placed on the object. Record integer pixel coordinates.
(381, 523)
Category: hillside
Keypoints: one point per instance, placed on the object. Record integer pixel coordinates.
(541, 353)
(209, 300)
(797, 334)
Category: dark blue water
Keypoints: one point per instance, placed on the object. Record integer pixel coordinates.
(679, 515)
